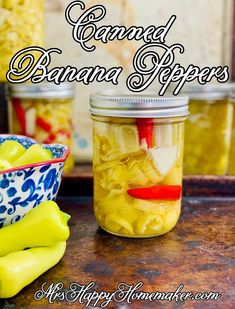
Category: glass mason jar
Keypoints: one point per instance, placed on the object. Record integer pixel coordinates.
(208, 131)
(137, 163)
(231, 169)
(21, 26)
(43, 112)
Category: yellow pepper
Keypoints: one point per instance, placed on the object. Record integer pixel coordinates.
(44, 225)
(115, 222)
(4, 165)
(34, 154)
(11, 150)
(19, 269)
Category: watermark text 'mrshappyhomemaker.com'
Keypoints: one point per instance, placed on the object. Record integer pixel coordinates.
(128, 293)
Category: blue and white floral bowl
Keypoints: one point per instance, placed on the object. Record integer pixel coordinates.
(23, 188)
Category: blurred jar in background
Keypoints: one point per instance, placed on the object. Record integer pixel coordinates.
(43, 112)
(208, 130)
(3, 109)
(231, 169)
(21, 26)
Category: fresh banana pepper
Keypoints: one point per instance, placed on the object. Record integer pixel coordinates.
(31, 246)
(20, 268)
(44, 225)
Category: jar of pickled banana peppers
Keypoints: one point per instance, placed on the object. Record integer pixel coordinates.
(208, 130)
(21, 26)
(231, 169)
(43, 112)
(137, 163)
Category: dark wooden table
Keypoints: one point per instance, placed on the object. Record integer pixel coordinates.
(199, 253)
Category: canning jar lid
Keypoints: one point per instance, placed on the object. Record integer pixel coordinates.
(138, 106)
(208, 91)
(43, 91)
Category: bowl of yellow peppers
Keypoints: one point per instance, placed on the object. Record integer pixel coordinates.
(30, 173)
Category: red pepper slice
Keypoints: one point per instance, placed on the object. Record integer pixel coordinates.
(50, 139)
(167, 193)
(145, 130)
(20, 114)
(67, 134)
(43, 124)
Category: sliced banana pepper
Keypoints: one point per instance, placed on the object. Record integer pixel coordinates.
(149, 224)
(115, 222)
